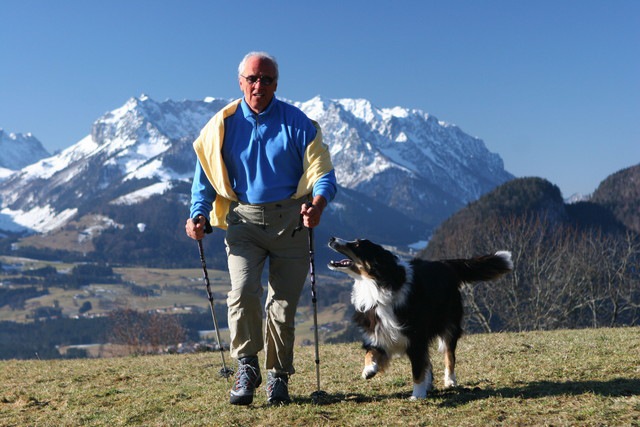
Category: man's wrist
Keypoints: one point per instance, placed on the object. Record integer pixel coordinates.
(320, 202)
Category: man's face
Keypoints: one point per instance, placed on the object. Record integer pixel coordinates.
(258, 94)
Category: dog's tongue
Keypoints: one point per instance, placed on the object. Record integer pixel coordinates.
(342, 263)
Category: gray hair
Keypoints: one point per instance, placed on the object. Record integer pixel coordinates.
(262, 55)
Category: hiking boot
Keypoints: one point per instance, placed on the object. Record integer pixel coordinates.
(278, 389)
(247, 379)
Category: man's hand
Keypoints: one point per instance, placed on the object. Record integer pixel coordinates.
(311, 212)
(196, 227)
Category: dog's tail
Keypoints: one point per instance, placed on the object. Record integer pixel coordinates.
(482, 268)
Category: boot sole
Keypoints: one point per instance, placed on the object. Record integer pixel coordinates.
(241, 400)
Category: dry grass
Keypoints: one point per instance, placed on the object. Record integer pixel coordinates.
(585, 377)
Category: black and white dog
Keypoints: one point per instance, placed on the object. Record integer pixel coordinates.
(401, 307)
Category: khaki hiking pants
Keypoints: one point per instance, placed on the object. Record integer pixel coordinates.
(255, 233)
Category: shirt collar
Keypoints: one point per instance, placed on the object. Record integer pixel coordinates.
(249, 114)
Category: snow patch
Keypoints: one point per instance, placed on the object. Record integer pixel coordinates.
(361, 108)
(337, 206)
(150, 170)
(4, 172)
(46, 168)
(41, 219)
(419, 245)
(102, 223)
(142, 194)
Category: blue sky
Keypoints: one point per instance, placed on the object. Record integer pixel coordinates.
(553, 87)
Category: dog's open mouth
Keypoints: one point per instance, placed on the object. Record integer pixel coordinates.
(347, 265)
(344, 263)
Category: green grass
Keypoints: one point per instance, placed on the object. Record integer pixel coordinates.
(584, 377)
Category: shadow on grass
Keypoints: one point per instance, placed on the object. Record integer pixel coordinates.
(618, 387)
(334, 398)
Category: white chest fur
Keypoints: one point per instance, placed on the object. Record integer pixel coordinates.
(387, 334)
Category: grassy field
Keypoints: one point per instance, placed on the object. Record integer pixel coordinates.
(584, 377)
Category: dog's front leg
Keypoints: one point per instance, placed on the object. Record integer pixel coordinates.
(374, 361)
(370, 364)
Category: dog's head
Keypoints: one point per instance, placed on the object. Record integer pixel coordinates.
(366, 259)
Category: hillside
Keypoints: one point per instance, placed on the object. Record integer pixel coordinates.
(573, 263)
(620, 193)
(47, 306)
(536, 197)
(579, 377)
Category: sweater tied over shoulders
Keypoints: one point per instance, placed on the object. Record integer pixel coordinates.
(208, 148)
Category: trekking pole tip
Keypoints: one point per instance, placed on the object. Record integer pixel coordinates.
(225, 372)
(318, 396)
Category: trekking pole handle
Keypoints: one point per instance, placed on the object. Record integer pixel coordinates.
(208, 229)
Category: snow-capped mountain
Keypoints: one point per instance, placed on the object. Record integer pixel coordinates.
(396, 165)
(19, 150)
(406, 158)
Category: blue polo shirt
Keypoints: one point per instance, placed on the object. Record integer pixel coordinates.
(264, 156)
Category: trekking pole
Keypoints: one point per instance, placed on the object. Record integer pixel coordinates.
(314, 300)
(224, 372)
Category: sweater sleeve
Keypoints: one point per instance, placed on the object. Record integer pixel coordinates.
(202, 193)
(319, 176)
(326, 186)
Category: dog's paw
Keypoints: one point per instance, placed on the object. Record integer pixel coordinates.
(420, 389)
(415, 397)
(449, 379)
(370, 371)
(419, 392)
(450, 383)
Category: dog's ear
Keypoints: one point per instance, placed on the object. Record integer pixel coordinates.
(386, 267)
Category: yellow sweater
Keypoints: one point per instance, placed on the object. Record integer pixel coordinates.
(208, 147)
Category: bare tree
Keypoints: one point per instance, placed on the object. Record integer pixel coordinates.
(564, 276)
(144, 332)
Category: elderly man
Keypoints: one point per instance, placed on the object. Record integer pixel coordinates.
(260, 161)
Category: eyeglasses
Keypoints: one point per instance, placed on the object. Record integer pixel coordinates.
(265, 80)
